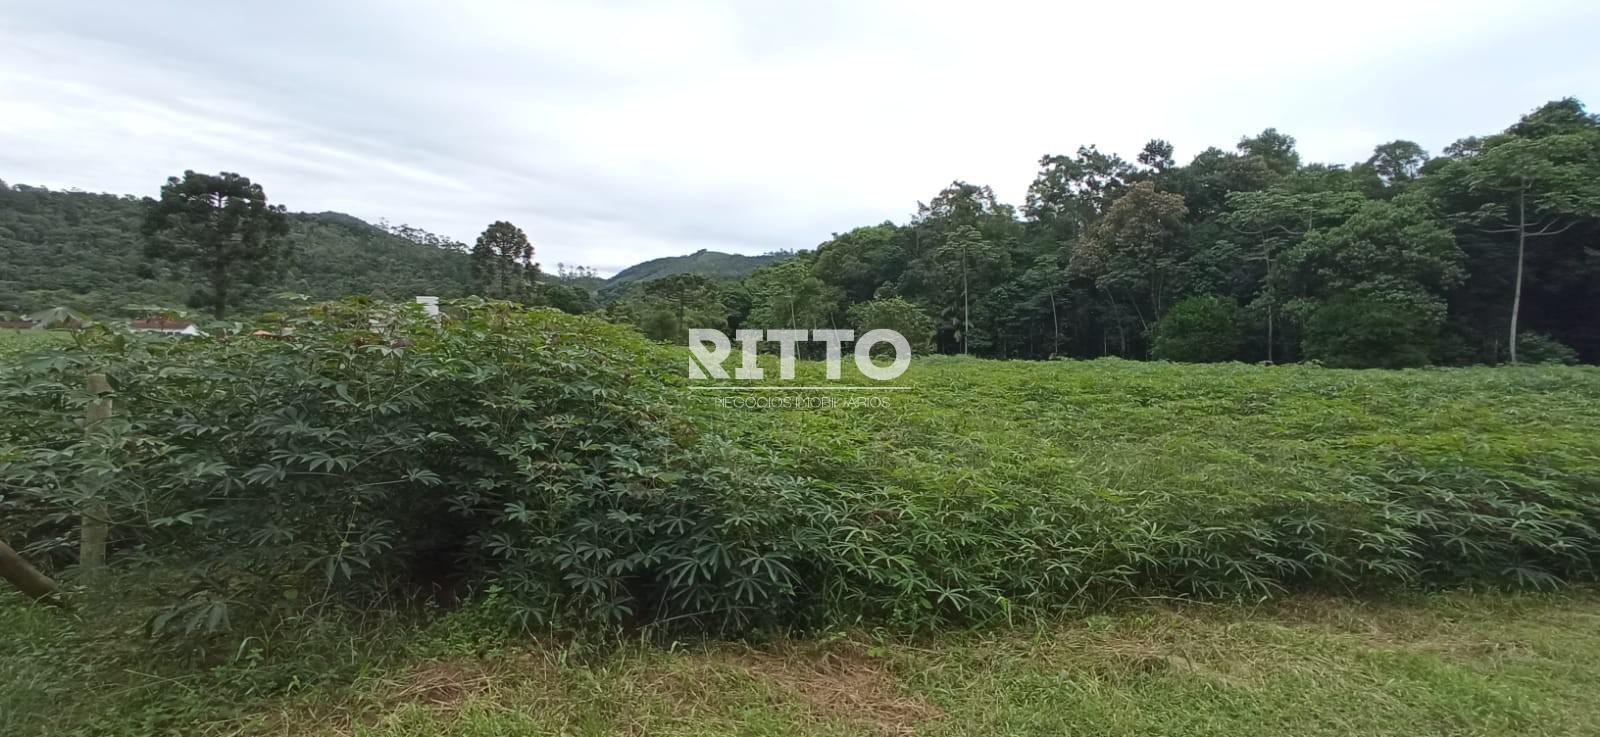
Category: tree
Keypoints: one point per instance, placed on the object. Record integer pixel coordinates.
(1397, 162)
(789, 295)
(967, 254)
(1270, 222)
(1529, 188)
(502, 263)
(860, 261)
(1350, 331)
(221, 229)
(1136, 246)
(569, 298)
(894, 314)
(1394, 257)
(1202, 329)
(1274, 149)
(1382, 246)
(1206, 182)
(690, 299)
(1072, 192)
(1157, 154)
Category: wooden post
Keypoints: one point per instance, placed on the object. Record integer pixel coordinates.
(23, 575)
(96, 519)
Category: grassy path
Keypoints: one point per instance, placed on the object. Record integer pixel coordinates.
(1448, 665)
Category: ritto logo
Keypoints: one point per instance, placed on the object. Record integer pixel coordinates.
(709, 350)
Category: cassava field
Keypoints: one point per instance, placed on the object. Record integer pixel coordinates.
(530, 523)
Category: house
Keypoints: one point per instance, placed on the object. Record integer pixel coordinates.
(163, 325)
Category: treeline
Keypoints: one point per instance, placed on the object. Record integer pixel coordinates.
(1243, 254)
(1485, 253)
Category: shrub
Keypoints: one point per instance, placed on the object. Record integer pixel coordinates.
(1541, 348)
(1205, 329)
(1362, 332)
(895, 314)
(551, 464)
(999, 488)
(526, 448)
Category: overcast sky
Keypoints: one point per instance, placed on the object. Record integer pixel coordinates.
(614, 132)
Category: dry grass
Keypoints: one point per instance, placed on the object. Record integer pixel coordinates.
(842, 684)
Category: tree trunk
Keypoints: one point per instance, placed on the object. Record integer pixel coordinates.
(1116, 314)
(1270, 309)
(966, 310)
(1522, 242)
(23, 575)
(219, 294)
(1055, 327)
(96, 520)
(1272, 306)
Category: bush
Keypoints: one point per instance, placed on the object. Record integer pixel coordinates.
(1206, 329)
(526, 448)
(894, 314)
(1541, 348)
(1359, 332)
(999, 488)
(550, 465)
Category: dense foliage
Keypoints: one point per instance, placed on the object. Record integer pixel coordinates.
(520, 449)
(993, 488)
(551, 466)
(1493, 237)
(1204, 329)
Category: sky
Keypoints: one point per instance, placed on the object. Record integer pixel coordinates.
(616, 132)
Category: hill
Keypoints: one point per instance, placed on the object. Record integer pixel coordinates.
(84, 250)
(712, 264)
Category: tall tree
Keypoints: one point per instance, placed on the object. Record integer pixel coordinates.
(1528, 189)
(692, 300)
(221, 229)
(788, 294)
(862, 260)
(1268, 223)
(969, 258)
(1072, 192)
(1157, 154)
(1397, 162)
(1274, 149)
(502, 263)
(1137, 246)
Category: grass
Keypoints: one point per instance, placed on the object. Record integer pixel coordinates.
(1455, 664)
(19, 341)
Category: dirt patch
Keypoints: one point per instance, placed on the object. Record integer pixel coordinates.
(841, 684)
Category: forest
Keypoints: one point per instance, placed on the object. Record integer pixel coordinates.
(1246, 253)
(1249, 253)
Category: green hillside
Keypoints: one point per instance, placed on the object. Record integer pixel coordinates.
(84, 250)
(712, 264)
